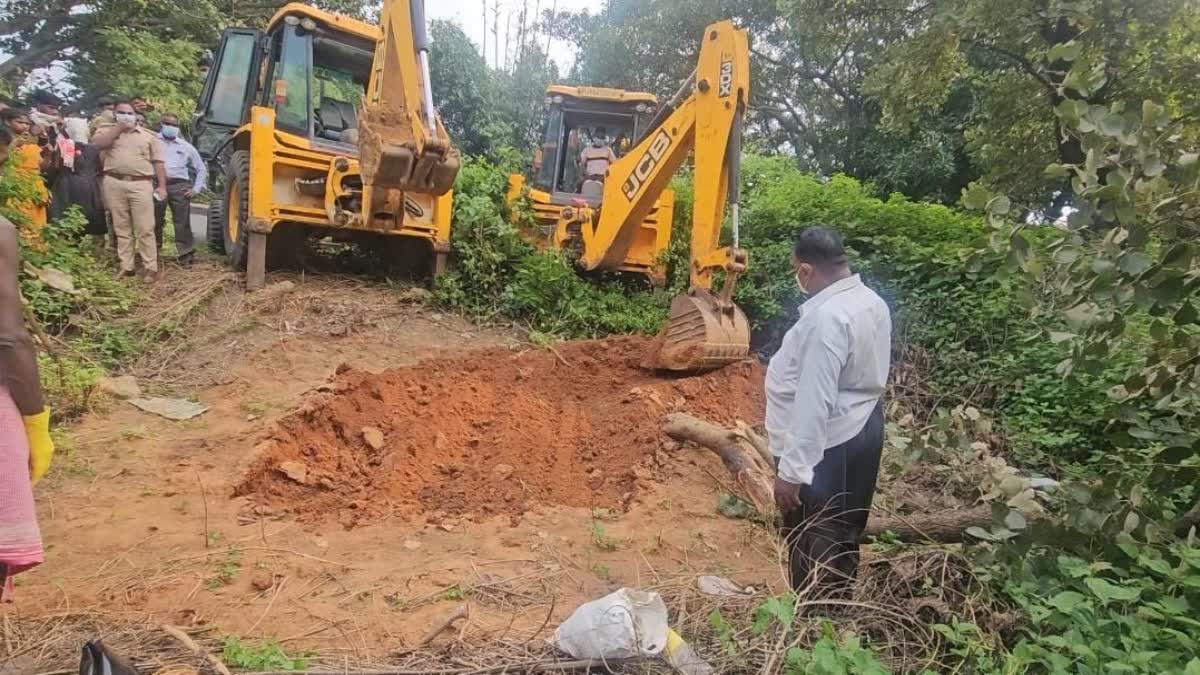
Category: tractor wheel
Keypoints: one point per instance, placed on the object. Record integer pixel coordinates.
(216, 226)
(235, 231)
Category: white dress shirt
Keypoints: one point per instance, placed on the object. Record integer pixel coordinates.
(827, 376)
(181, 160)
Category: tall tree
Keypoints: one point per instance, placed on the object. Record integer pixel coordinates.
(809, 58)
(1019, 55)
(485, 109)
(73, 33)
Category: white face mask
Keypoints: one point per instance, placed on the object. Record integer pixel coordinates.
(800, 284)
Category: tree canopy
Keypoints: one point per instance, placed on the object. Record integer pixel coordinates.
(114, 45)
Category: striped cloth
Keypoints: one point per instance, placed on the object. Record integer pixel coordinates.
(20, 539)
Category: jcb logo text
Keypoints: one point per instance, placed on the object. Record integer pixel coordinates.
(646, 165)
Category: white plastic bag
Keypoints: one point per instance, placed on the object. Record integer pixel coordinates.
(620, 625)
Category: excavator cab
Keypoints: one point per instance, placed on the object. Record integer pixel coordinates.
(301, 125)
(586, 119)
(314, 76)
(581, 117)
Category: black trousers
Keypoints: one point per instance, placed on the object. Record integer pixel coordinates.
(824, 534)
(181, 214)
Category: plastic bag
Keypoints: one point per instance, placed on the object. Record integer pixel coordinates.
(100, 660)
(621, 625)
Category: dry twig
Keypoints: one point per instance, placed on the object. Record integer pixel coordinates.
(196, 649)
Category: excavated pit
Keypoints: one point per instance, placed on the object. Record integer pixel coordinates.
(488, 432)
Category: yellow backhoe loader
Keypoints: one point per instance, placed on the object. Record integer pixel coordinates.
(616, 221)
(325, 123)
(575, 118)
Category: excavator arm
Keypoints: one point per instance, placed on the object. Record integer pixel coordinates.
(704, 330)
(402, 143)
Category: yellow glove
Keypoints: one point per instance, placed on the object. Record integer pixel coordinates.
(41, 447)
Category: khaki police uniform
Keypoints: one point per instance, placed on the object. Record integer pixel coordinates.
(100, 120)
(129, 195)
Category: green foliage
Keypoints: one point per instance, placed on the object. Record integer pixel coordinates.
(79, 37)
(487, 110)
(548, 290)
(225, 571)
(1132, 610)
(84, 315)
(1106, 584)
(496, 273)
(98, 290)
(724, 631)
(1023, 59)
(602, 539)
(264, 656)
(162, 69)
(831, 656)
(777, 610)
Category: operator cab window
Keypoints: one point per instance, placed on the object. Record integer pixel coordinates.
(568, 132)
(318, 80)
(340, 75)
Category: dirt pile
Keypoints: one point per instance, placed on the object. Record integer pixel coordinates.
(488, 432)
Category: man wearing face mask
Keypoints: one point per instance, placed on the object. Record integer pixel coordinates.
(186, 177)
(824, 413)
(132, 158)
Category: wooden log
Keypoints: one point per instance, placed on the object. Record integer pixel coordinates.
(742, 458)
(940, 526)
(741, 461)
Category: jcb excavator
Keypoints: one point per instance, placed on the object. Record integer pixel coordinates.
(325, 122)
(575, 119)
(615, 223)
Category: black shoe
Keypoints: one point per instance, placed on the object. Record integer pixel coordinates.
(186, 260)
(128, 273)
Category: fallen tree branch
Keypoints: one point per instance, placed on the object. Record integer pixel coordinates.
(738, 454)
(940, 526)
(742, 454)
(196, 649)
(461, 612)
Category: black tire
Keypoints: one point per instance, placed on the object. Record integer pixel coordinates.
(216, 225)
(236, 208)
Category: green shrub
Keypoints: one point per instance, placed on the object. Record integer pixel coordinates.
(498, 274)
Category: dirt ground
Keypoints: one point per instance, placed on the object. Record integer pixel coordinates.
(522, 479)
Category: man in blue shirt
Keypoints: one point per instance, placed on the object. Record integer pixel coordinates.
(186, 177)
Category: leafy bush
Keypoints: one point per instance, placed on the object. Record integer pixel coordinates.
(81, 321)
(497, 273)
(99, 292)
(1131, 610)
(267, 655)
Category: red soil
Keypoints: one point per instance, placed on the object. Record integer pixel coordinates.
(488, 432)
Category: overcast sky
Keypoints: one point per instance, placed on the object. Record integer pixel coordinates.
(470, 15)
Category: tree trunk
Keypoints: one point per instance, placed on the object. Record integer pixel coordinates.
(738, 453)
(942, 526)
(737, 449)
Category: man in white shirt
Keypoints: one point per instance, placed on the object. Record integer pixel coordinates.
(824, 415)
(186, 178)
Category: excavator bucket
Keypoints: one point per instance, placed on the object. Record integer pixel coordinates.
(389, 157)
(703, 332)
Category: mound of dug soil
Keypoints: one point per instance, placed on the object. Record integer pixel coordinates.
(488, 432)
